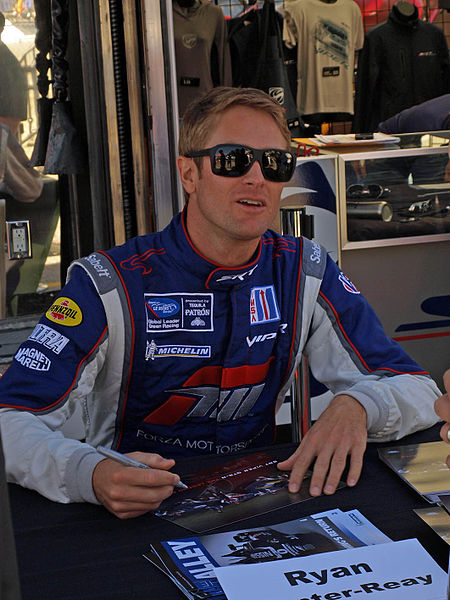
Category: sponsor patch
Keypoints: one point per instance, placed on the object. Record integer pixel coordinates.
(102, 271)
(170, 350)
(33, 359)
(180, 311)
(48, 337)
(65, 311)
(263, 305)
(348, 285)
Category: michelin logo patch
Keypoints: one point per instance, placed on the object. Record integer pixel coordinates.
(348, 285)
(169, 350)
(33, 359)
(48, 337)
(263, 305)
(180, 311)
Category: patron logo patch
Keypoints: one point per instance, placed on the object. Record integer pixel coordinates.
(48, 337)
(33, 359)
(263, 305)
(65, 311)
(181, 312)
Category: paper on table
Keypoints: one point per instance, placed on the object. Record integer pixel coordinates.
(399, 569)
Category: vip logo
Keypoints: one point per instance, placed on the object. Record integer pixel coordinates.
(263, 305)
(266, 336)
(260, 338)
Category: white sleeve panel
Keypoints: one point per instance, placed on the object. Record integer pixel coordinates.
(40, 457)
(396, 405)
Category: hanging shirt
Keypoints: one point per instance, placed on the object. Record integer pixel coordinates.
(201, 50)
(327, 35)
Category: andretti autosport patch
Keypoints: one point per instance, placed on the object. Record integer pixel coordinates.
(179, 311)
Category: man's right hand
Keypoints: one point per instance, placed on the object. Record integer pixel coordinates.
(442, 408)
(128, 491)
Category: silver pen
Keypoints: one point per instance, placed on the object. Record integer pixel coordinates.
(127, 461)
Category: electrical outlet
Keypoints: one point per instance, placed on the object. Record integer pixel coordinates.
(18, 239)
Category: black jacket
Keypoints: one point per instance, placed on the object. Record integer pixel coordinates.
(403, 62)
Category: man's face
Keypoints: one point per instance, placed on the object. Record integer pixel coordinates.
(233, 212)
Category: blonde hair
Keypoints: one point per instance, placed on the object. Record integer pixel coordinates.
(201, 115)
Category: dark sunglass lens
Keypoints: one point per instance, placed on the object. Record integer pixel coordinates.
(278, 165)
(232, 161)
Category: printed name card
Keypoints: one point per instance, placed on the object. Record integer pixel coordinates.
(398, 569)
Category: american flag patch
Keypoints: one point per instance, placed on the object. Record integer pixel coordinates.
(263, 305)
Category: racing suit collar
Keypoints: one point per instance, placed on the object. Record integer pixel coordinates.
(215, 276)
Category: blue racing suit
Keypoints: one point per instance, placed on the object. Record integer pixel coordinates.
(168, 352)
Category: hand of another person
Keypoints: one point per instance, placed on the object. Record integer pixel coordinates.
(128, 491)
(340, 431)
(442, 408)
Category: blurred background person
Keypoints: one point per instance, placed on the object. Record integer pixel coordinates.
(20, 181)
(13, 87)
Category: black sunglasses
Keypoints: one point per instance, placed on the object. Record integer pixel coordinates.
(234, 160)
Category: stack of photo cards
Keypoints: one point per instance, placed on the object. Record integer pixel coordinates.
(236, 490)
(423, 467)
(189, 562)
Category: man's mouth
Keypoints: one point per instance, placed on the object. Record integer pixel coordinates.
(250, 202)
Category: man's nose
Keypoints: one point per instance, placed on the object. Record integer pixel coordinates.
(254, 174)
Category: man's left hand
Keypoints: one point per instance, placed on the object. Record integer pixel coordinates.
(340, 431)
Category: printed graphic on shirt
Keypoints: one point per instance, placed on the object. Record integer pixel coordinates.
(263, 305)
(348, 285)
(48, 337)
(332, 40)
(189, 40)
(179, 311)
(277, 94)
(33, 359)
(65, 311)
(153, 351)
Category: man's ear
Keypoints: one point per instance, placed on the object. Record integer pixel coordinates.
(188, 173)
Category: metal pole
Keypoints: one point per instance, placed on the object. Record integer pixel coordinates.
(295, 221)
(2, 259)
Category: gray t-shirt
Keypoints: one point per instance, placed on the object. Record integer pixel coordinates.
(200, 34)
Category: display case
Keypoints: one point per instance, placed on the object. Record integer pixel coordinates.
(395, 193)
(383, 213)
(394, 239)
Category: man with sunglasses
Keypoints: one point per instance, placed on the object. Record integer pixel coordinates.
(185, 341)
